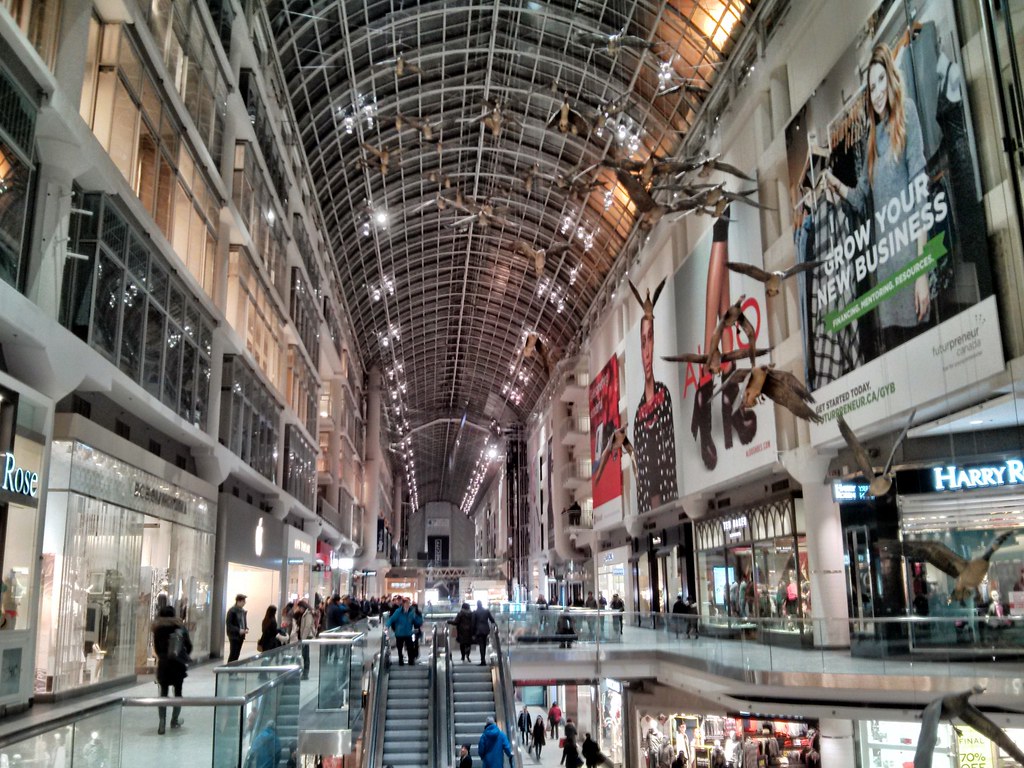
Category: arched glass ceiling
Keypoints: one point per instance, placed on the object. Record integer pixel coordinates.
(432, 131)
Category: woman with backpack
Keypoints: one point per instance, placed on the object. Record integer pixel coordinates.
(172, 647)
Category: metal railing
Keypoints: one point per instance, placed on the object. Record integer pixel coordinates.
(231, 731)
(504, 700)
(373, 741)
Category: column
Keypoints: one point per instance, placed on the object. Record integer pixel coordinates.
(825, 554)
(371, 469)
(836, 743)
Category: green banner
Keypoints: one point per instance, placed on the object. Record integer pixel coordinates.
(933, 250)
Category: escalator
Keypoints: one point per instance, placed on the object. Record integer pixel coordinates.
(400, 721)
(474, 694)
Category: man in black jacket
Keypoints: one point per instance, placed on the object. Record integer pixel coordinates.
(482, 623)
(237, 627)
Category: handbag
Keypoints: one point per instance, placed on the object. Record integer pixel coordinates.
(561, 743)
(259, 646)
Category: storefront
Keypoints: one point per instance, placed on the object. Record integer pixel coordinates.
(301, 547)
(611, 573)
(256, 554)
(116, 538)
(700, 737)
(25, 422)
(752, 573)
(888, 744)
(611, 739)
(409, 585)
(963, 507)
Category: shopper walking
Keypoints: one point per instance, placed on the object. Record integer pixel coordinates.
(538, 737)
(590, 752)
(305, 629)
(171, 664)
(482, 623)
(570, 754)
(554, 718)
(403, 622)
(619, 607)
(493, 743)
(237, 627)
(570, 729)
(525, 723)
(463, 623)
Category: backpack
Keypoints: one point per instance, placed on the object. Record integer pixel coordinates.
(177, 646)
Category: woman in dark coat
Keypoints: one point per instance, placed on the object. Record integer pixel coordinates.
(463, 623)
(570, 754)
(270, 631)
(539, 734)
(170, 672)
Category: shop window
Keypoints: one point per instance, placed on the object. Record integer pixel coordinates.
(304, 315)
(39, 20)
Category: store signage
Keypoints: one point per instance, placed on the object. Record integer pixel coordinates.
(609, 557)
(973, 750)
(400, 584)
(851, 491)
(159, 497)
(302, 546)
(18, 480)
(953, 478)
(734, 526)
(259, 538)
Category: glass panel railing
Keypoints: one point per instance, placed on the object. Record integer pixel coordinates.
(340, 656)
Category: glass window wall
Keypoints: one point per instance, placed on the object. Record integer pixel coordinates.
(121, 295)
(250, 417)
(17, 131)
(253, 314)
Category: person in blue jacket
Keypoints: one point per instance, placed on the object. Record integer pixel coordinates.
(493, 743)
(404, 622)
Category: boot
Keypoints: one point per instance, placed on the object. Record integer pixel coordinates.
(701, 423)
(743, 420)
(162, 728)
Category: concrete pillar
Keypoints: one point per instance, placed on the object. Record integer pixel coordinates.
(837, 745)
(371, 469)
(778, 90)
(829, 610)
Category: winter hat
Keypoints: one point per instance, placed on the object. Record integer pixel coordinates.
(490, 720)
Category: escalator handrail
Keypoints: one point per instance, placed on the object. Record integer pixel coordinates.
(432, 742)
(376, 708)
(449, 702)
(507, 700)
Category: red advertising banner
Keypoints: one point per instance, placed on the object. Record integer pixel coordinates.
(604, 420)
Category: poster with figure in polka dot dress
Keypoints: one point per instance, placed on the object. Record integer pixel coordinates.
(650, 386)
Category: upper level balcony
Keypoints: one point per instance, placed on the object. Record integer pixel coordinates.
(576, 475)
(576, 389)
(575, 431)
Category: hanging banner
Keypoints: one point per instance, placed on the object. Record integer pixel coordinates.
(718, 438)
(652, 385)
(604, 420)
(885, 191)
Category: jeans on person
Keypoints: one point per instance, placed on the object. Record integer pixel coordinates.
(176, 711)
(305, 660)
(405, 643)
(481, 640)
(235, 645)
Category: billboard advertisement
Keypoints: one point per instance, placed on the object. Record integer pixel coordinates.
(651, 386)
(718, 438)
(885, 191)
(604, 420)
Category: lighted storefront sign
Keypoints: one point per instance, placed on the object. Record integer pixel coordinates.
(851, 491)
(302, 546)
(17, 480)
(954, 478)
(734, 526)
